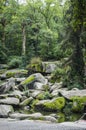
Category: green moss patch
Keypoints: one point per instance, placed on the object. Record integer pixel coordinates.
(30, 79)
(55, 105)
(78, 103)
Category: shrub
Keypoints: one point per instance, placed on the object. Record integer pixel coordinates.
(36, 60)
(15, 62)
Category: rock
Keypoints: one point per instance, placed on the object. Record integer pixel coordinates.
(35, 93)
(26, 101)
(10, 101)
(56, 86)
(19, 80)
(3, 66)
(49, 118)
(33, 78)
(24, 116)
(49, 67)
(44, 95)
(40, 78)
(34, 116)
(5, 110)
(14, 73)
(5, 87)
(15, 93)
(71, 93)
(78, 103)
(3, 76)
(55, 92)
(38, 86)
(55, 104)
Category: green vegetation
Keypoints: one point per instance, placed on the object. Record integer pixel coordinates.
(29, 80)
(78, 104)
(56, 105)
(47, 30)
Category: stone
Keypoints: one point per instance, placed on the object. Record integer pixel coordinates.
(22, 116)
(38, 86)
(49, 67)
(26, 101)
(56, 86)
(49, 118)
(5, 110)
(56, 104)
(35, 93)
(7, 86)
(19, 80)
(29, 82)
(71, 93)
(10, 101)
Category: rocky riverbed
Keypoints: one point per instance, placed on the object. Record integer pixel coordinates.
(34, 97)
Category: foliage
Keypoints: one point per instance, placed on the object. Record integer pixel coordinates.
(36, 60)
(44, 96)
(3, 54)
(15, 62)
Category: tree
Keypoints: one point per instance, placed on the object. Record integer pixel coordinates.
(76, 18)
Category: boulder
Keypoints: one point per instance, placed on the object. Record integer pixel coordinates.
(10, 101)
(15, 93)
(49, 67)
(34, 116)
(24, 116)
(19, 80)
(35, 93)
(55, 104)
(26, 101)
(7, 86)
(49, 118)
(56, 86)
(38, 86)
(71, 93)
(31, 79)
(3, 66)
(5, 110)
(14, 73)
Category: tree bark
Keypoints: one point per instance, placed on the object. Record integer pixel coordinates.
(24, 40)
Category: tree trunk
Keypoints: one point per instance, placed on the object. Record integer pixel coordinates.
(24, 41)
(77, 65)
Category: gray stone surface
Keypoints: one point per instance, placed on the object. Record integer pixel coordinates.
(5, 110)
(10, 101)
(36, 125)
(71, 93)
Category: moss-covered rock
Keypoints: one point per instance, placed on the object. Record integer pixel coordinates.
(55, 104)
(44, 96)
(29, 80)
(78, 103)
(26, 102)
(10, 74)
(16, 73)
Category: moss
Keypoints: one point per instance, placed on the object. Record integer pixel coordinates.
(61, 117)
(34, 102)
(16, 73)
(78, 103)
(28, 80)
(10, 74)
(44, 96)
(36, 67)
(55, 105)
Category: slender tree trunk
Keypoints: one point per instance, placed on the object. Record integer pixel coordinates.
(3, 37)
(24, 41)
